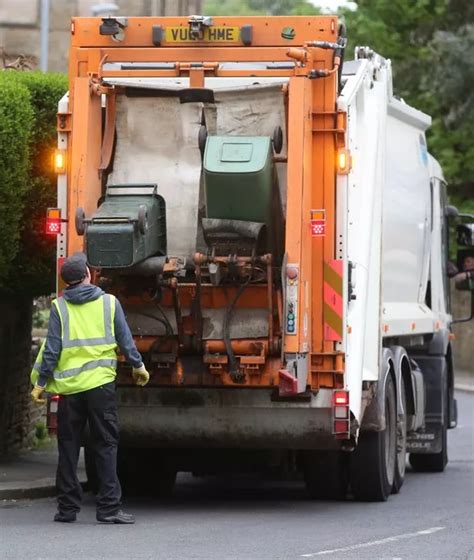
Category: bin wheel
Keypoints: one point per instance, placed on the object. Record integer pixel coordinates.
(202, 138)
(142, 219)
(80, 217)
(277, 139)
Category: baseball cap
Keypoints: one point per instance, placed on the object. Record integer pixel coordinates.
(74, 269)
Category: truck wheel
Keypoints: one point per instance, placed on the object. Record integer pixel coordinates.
(372, 467)
(434, 462)
(91, 470)
(325, 474)
(400, 464)
(79, 221)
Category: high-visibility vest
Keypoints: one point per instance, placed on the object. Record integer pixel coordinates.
(88, 358)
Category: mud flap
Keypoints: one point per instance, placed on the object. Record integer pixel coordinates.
(429, 439)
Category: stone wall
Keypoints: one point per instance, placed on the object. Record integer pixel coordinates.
(18, 415)
(20, 20)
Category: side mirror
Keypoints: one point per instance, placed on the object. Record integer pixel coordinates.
(465, 235)
(451, 211)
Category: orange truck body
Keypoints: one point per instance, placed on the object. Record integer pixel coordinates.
(315, 132)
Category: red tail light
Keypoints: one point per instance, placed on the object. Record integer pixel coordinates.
(341, 427)
(341, 414)
(341, 398)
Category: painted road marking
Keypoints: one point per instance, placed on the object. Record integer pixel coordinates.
(387, 540)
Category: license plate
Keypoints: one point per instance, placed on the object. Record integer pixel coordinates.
(214, 34)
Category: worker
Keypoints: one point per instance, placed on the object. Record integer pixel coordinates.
(463, 280)
(78, 362)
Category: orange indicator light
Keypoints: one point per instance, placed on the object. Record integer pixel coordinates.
(60, 161)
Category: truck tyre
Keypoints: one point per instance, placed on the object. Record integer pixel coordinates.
(91, 470)
(400, 463)
(325, 474)
(372, 467)
(434, 462)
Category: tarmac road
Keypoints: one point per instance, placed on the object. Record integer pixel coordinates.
(432, 518)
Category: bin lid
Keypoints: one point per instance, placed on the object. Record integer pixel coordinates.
(236, 154)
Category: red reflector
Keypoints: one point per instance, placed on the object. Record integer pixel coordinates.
(288, 386)
(55, 397)
(341, 426)
(341, 398)
(53, 227)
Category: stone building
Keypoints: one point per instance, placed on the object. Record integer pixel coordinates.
(20, 25)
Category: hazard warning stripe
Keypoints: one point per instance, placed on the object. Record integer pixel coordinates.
(333, 323)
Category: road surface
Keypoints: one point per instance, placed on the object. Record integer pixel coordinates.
(432, 518)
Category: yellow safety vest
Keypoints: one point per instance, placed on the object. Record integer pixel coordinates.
(88, 358)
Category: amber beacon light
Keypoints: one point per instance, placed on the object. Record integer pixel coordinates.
(344, 161)
(59, 161)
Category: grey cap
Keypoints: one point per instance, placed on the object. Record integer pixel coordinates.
(74, 269)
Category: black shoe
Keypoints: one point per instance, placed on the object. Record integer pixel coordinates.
(65, 517)
(120, 518)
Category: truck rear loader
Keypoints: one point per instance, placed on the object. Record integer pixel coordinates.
(273, 224)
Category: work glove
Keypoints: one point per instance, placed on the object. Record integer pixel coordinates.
(140, 376)
(36, 395)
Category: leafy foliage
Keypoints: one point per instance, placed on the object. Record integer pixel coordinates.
(30, 269)
(16, 119)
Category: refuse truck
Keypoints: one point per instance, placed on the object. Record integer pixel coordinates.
(268, 214)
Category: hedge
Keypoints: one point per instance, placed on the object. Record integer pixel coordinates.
(16, 120)
(30, 268)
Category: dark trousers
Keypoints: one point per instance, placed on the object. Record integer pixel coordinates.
(98, 407)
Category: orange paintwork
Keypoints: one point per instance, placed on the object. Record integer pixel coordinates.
(315, 132)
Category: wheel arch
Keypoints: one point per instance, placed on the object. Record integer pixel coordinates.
(374, 414)
(402, 370)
